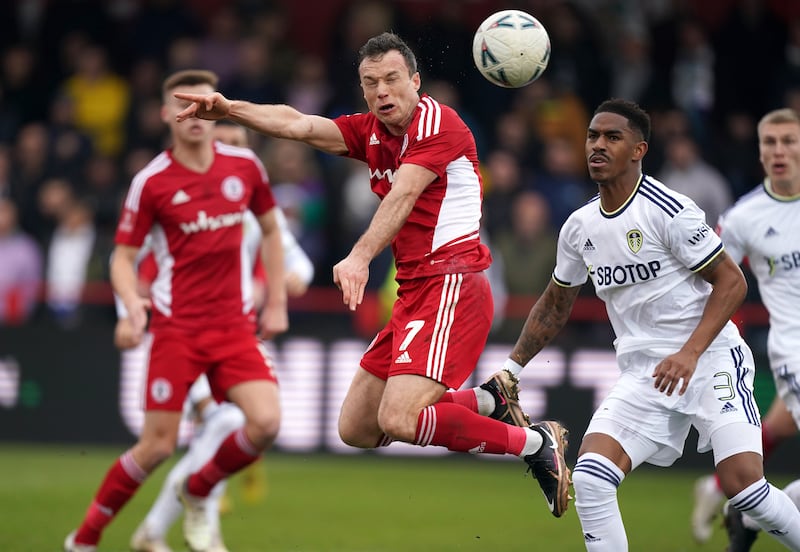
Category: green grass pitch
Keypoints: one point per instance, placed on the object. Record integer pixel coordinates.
(362, 503)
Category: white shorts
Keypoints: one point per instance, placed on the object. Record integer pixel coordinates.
(787, 387)
(652, 427)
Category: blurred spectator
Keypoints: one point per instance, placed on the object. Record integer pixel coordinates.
(632, 74)
(21, 275)
(663, 33)
(512, 133)
(144, 126)
(307, 89)
(271, 22)
(70, 147)
(23, 97)
(666, 124)
(563, 179)
(685, 171)
(135, 160)
(219, 45)
(102, 99)
(298, 188)
(693, 76)
(103, 188)
(554, 111)
(69, 252)
(789, 74)
(253, 80)
(66, 26)
(528, 247)
(30, 165)
(578, 61)
(735, 153)
(359, 21)
(502, 180)
(183, 53)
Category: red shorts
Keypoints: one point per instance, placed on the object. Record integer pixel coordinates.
(178, 357)
(438, 329)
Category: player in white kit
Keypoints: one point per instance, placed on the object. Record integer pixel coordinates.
(670, 290)
(763, 227)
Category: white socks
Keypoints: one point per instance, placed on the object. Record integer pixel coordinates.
(486, 402)
(224, 419)
(596, 479)
(533, 442)
(772, 510)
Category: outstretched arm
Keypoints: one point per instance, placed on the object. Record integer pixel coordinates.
(547, 317)
(278, 121)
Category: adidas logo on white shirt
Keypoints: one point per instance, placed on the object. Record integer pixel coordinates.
(180, 197)
(771, 232)
(373, 140)
(728, 408)
(588, 246)
(404, 358)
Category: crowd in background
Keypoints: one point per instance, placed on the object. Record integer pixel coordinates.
(80, 96)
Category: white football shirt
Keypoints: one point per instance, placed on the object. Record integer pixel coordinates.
(765, 228)
(643, 259)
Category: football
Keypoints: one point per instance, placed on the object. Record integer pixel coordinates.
(511, 48)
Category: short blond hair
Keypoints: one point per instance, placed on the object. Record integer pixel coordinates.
(779, 116)
(189, 77)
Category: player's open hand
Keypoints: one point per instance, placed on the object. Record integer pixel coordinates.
(350, 275)
(674, 372)
(204, 106)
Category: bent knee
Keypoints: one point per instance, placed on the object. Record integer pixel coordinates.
(358, 437)
(592, 489)
(263, 429)
(398, 428)
(739, 471)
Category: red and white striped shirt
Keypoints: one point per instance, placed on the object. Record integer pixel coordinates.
(196, 225)
(441, 234)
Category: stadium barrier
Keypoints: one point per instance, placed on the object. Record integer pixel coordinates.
(59, 385)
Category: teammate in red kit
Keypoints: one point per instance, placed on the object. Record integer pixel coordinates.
(191, 199)
(423, 164)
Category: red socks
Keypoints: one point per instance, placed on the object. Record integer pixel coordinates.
(235, 452)
(120, 484)
(464, 397)
(459, 429)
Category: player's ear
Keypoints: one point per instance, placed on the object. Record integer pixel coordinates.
(639, 150)
(416, 80)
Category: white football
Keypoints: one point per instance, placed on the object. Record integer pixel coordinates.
(511, 48)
